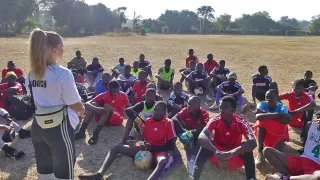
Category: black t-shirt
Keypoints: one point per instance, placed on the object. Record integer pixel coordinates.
(198, 75)
(92, 67)
(221, 73)
(227, 88)
(262, 82)
(308, 83)
(137, 108)
(143, 64)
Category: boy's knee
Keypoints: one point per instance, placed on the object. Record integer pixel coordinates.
(267, 151)
(162, 160)
(115, 148)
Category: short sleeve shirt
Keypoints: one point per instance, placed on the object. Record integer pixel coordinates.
(189, 59)
(178, 100)
(191, 122)
(124, 78)
(195, 75)
(159, 133)
(208, 67)
(118, 102)
(230, 89)
(280, 108)
(79, 63)
(139, 89)
(17, 71)
(221, 73)
(262, 82)
(143, 64)
(94, 67)
(119, 68)
(227, 138)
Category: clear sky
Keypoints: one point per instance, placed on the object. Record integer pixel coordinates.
(300, 9)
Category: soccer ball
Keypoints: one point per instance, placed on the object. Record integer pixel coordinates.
(143, 160)
(198, 91)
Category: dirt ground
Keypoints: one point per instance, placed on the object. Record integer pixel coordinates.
(286, 61)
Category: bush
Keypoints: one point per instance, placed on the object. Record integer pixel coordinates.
(7, 34)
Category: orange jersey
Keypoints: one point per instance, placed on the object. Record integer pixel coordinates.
(193, 58)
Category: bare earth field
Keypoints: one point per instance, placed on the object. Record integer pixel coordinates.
(286, 62)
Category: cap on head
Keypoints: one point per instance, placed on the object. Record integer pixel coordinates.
(11, 73)
(232, 75)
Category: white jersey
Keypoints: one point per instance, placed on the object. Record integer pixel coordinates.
(312, 147)
(57, 87)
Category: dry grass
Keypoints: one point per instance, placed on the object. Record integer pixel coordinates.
(243, 54)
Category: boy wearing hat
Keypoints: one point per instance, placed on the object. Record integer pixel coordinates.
(11, 87)
(229, 88)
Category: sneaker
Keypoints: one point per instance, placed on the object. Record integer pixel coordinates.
(171, 159)
(214, 107)
(208, 98)
(260, 160)
(12, 153)
(93, 176)
(190, 166)
(24, 133)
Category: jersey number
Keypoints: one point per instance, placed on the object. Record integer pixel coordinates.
(316, 151)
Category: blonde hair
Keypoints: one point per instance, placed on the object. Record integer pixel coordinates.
(40, 44)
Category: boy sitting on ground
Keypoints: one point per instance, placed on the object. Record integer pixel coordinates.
(10, 88)
(143, 110)
(299, 102)
(20, 78)
(229, 88)
(93, 73)
(189, 123)
(126, 80)
(261, 84)
(271, 128)
(159, 138)
(165, 76)
(102, 84)
(82, 90)
(177, 100)
(210, 64)
(135, 68)
(153, 86)
(139, 87)
(145, 65)
(119, 68)
(306, 166)
(186, 72)
(219, 74)
(190, 58)
(78, 63)
(199, 79)
(221, 142)
(108, 108)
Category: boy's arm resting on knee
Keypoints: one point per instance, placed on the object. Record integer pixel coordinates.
(93, 106)
(133, 111)
(79, 108)
(248, 146)
(307, 107)
(205, 142)
(170, 145)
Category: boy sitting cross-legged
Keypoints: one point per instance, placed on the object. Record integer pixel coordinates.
(108, 108)
(159, 138)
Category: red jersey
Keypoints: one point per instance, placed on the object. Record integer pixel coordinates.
(227, 138)
(159, 133)
(17, 71)
(190, 122)
(210, 66)
(118, 102)
(5, 94)
(139, 90)
(193, 58)
(295, 103)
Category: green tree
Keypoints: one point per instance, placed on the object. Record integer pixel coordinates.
(13, 14)
(171, 18)
(223, 22)
(102, 19)
(206, 13)
(315, 26)
(188, 20)
(120, 12)
(285, 20)
(165, 29)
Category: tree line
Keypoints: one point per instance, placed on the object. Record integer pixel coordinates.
(75, 17)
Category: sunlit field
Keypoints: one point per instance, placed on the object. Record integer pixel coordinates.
(286, 61)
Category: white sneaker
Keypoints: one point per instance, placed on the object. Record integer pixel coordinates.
(171, 159)
(214, 107)
(190, 166)
(208, 98)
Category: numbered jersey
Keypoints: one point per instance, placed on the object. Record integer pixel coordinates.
(312, 147)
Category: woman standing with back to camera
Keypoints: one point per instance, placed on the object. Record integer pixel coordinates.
(57, 106)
